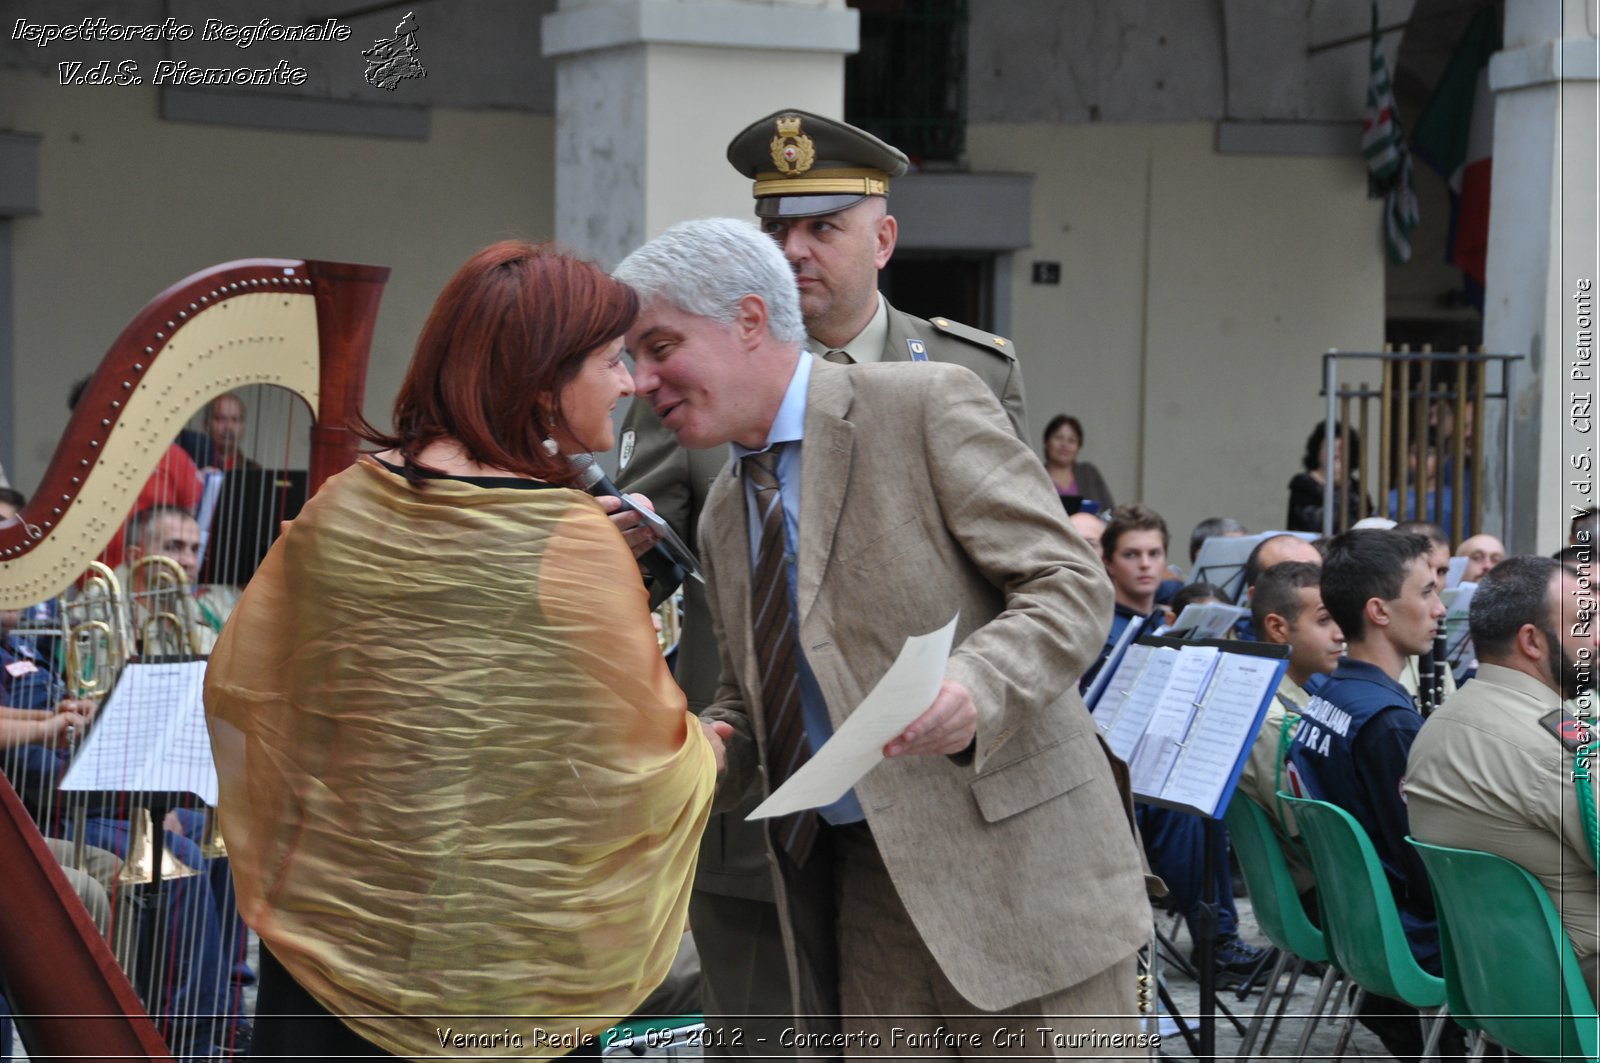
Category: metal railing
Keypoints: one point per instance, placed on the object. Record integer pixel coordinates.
(1433, 456)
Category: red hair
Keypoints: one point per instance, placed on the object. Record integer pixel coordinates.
(508, 333)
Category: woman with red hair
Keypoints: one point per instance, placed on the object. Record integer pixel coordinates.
(457, 777)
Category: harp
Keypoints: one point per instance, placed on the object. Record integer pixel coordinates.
(302, 326)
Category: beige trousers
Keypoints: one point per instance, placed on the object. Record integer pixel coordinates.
(897, 1002)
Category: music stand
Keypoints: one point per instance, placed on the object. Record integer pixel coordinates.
(1183, 715)
(149, 739)
(250, 507)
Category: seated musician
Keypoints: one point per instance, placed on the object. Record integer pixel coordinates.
(38, 717)
(1483, 552)
(1427, 676)
(1134, 549)
(1286, 610)
(457, 777)
(217, 448)
(23, 728)
(1496, 767)
(1350, 745)
(167, 615)
(196, 990)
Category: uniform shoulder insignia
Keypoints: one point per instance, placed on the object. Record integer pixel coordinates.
(975, 336)
(1571, 732)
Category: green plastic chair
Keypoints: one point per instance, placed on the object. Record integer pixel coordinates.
(1281, 915)
(1273, 897)
(1359, 917)
(1509, 968)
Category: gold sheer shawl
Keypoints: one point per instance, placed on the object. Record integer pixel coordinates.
(459, 787)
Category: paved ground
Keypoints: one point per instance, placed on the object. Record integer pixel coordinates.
(1186, 994)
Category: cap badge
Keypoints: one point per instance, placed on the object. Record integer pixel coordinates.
(792, 151)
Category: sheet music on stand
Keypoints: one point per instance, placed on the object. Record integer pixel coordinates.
(150, 735)
(1222, 558)
(1183, 715)
(1208, 620)
(1129, 633)
(1457, 600)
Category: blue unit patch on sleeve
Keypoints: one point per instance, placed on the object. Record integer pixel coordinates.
(918, 349)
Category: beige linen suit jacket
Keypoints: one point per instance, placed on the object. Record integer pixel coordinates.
(677, 480)
(1019, 867)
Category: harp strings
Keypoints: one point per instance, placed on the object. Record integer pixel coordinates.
(178, 934)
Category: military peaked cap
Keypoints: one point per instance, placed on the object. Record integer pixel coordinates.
(804, 164)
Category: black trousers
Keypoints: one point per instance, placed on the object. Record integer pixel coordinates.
(290, 1024)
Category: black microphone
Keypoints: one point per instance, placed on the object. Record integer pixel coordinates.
(669, 561)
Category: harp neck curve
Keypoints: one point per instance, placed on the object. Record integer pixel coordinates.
(303, 325)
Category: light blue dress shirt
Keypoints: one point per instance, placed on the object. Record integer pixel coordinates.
(789, 427)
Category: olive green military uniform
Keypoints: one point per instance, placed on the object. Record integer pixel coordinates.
(1492, 770)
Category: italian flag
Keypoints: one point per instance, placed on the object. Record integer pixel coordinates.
(1455, 136)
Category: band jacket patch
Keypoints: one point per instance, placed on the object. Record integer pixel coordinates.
(1572, 732)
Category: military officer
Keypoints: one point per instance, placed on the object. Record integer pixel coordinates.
(1493, 768)
(821, 190)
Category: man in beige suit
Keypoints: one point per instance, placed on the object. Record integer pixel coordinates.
(985, 873)
(836, 241)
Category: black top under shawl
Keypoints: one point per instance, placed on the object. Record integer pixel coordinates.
(476, 481)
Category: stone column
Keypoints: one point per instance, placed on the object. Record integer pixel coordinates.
(1544, 266)
(649, 92)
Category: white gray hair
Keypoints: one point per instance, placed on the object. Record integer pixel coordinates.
(704, 267)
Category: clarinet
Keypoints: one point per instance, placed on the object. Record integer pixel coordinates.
(1430, 676)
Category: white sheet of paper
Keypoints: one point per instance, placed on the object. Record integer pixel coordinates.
(1134, 717)
(1458, 607)
(1211, 620)
(1119, 652)
(1175, 708)
(150, 735)
(1168, 721)
(1240, 683)
(1114, 695)
(904, 693)
(1152, 762)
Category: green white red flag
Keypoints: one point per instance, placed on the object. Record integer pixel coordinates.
(1383, 145)
(1455, 136)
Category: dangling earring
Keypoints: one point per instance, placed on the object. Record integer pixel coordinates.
(551, 447)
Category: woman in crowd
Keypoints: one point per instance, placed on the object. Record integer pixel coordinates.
(1063, 438)
(1305, 489)
(457, 779)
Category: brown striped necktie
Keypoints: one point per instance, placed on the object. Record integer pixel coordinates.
(841, 357)
(777, 652)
